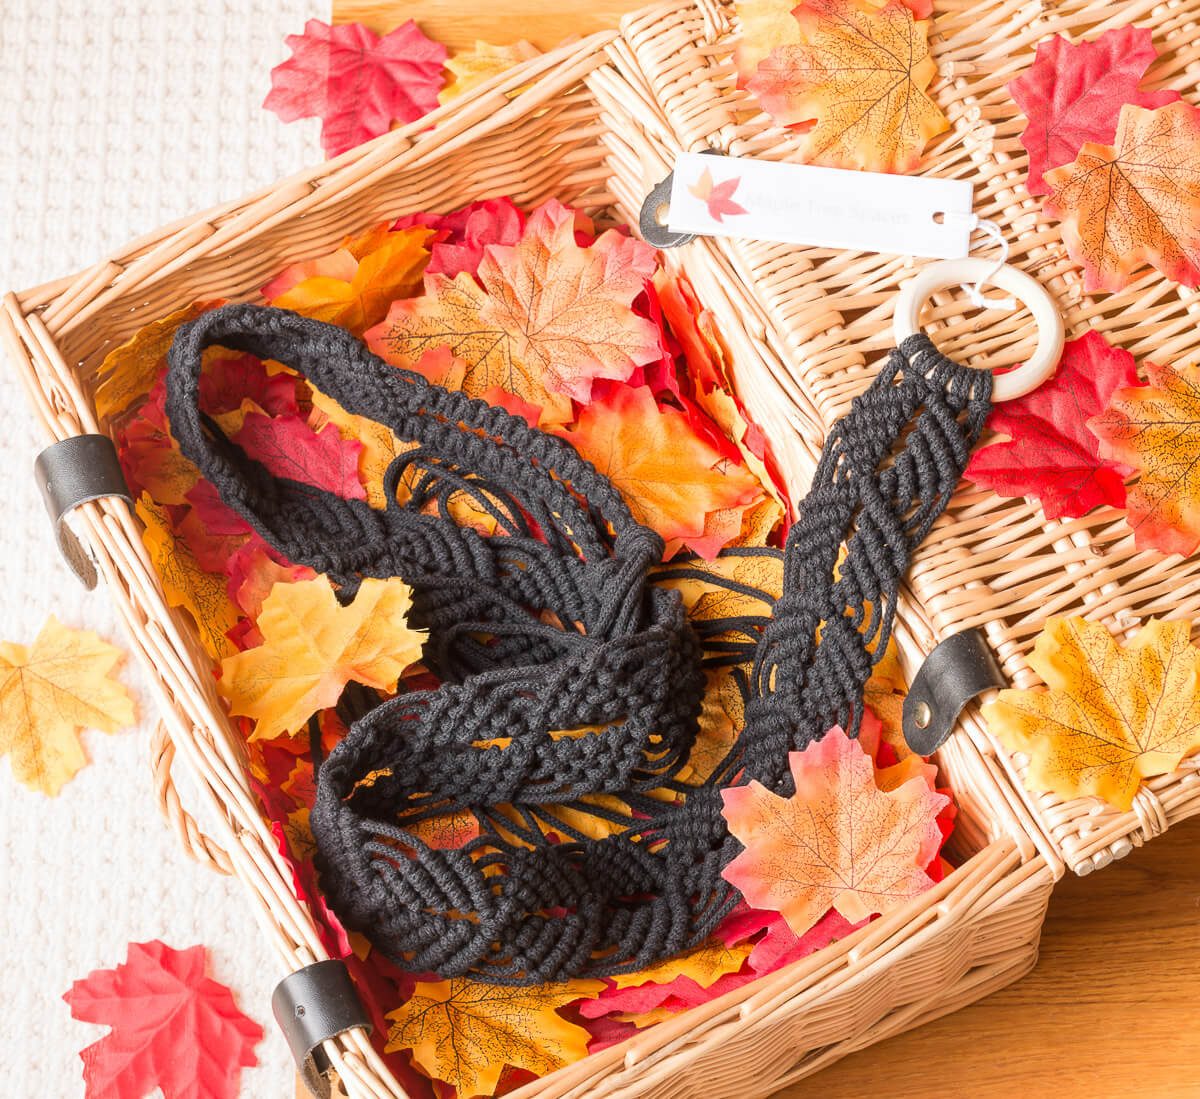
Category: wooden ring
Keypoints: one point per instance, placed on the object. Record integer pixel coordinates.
(940, 276)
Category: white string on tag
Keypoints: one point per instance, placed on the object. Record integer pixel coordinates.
(974, 291)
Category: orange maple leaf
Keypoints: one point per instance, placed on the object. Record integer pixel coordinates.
(1136, 201)
(1113, 715)
(355, 285)
(1156, 429)
(862, 73)
(717, 197)
(549, 319)
(204, 595)
(703, 964)
(129, 371)
(312, 647)
(666, 473)
(48, 692)
(464, 1032)
(838, 841)
(470, 68)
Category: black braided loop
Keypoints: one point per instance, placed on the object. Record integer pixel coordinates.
(558, 626)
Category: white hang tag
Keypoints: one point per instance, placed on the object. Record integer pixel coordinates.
(825, 207)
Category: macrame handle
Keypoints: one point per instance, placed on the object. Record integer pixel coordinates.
(534, 897)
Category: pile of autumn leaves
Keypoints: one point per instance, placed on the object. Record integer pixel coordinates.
(583, 334)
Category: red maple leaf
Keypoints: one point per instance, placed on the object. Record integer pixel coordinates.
(226, 382)
(717, 197)
(172, 1027)
(1052, 454)
(1073, 94)
(288, 447)
(356, 83)
(463, 235)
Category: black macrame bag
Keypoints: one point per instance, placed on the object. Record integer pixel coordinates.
(555, 622)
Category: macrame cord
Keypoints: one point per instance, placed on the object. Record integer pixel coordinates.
(561, 621)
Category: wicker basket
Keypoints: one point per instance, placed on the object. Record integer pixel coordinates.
(595, 126)
(991, 563)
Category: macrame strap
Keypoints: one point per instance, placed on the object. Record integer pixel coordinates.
(554, 626)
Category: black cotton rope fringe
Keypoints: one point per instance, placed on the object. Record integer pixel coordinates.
(555, 623)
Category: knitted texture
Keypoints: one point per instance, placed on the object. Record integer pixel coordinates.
(531, 633)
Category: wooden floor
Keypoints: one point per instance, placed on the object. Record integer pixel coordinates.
(1113, 1008)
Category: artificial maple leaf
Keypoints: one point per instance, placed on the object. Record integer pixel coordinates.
(1135, 202)
(718, 197)
(1073, 93)
(130, 371)
(1155, 429)
(663, 470)
(227, 382)
(1051, 453)
(289, 448)
(185, 583)
(313, 647)
(356, 83)
(687, 976)
(766, 25)
(464, 1032)
(861, 73)
(550, 317)
(48, 692)
(461, 236)
(297, 846)
(153, 463)
(388, 270)
(172, 1027)
(837, 841)
(254, 568)
(470, 68)
(1113, 715)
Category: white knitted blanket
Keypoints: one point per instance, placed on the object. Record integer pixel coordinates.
(116, 117)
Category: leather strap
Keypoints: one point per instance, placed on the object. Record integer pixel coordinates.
(70, 473)
(312, 1005)
(957, 670)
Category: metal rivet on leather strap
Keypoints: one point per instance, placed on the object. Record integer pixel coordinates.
(70, 473)
(312, 1005)
(957, 670)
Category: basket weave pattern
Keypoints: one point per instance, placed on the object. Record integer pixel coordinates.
(991, 563)
(593, 128)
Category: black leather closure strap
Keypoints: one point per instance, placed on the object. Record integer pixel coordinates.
(957, 670)
(70, 473)
(312, 1005)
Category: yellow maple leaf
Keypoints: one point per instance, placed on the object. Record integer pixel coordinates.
(204, 595)
(1136, 201)
(464, 1032)
(1155, 429)
(389, 266)
(703, 964)
(549, 318)
(838, 841)
(129, 372)
(1113, 715)
(312, 647)
(862, 74)
(48, 692)
(470, 68)
(766, 25)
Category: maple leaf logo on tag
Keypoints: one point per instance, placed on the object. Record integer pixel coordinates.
(717, 197)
